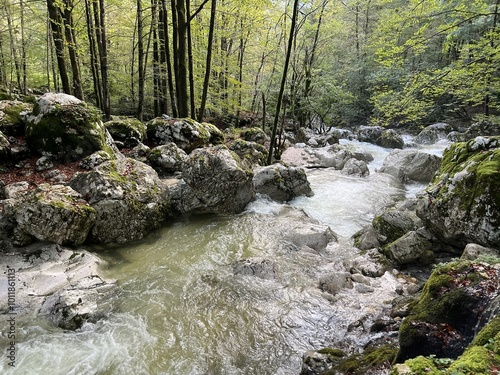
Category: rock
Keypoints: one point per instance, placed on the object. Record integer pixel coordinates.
(258, 267)
(334, 282)
(43, 164)
(320, 362)
(366, 238)
(354, 167)
(4, 146)
(433, 133)
(313, 236)
(256, 135)
(250, 152)
(474, 251)
(54, 213)
(167, 159)
(371, 264)
(370, 134)
(186, 133)
(128, 197)
(462, 204)
(394, 223)
(130, 131)
(65, 128)
(481, 128)
(449, 310)
(281, 183)
(140, 153)
(217, 180)
(409, 248)
(92, 161)
(13, 117)
(15, 190)
(391, 139)
(65, 287)
(411, 165)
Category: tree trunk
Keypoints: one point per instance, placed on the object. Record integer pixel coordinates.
(72, 50)
(192, 104)
(283, 81)
(140, 60)
(103, 60)
(156, 61)
(208, 65)
(170, 77)
(180, 26)
(13, 48)
(3, 73)
(94, 66)
(23, 49)
(58, 37)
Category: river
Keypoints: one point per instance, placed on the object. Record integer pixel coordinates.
(182, 310)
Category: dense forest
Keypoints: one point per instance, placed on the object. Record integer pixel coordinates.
(319, 62)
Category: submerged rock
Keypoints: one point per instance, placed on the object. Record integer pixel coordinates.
(281, 183)
(66, 128)
(462, 204)
(128, 197)
(258, 267)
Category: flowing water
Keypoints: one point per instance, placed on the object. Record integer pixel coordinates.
(182, 310)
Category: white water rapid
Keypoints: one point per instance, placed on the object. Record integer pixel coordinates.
(181, 310)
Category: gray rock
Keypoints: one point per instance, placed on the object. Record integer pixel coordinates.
(411, 165)
(391, 139)
(462, 204)
(217, 179)
(15, 190)
(186, 133)
(474, 251)
(433, 133)
(13, 116)
(371, 264)
(129, 131)
(258, 267)
(167, 159)
(313, 236)
(66, 128)
(256, 135)
(281, 183)
(54, 213)
(4, 146)
(335, 282)
(366, 238)
(410, 248)
(43, 164)
(355, 167)
(251, 153)
(393, 224)
(92, 161)
(128, 197)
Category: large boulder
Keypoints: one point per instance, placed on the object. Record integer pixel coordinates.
(411, 165)
(412, 247)
(127, 131)
(450, 310)
(54, 213)
(380, 136)
(433, 133)
(462, 204)
(213, 181)
(166, 159)
(281, 183)
(66, 128)
(252, 153)
(128, 197)
(12, 116)
(255, 134)
(186, 133)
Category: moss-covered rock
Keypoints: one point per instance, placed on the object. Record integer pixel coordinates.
(255, 134)
(186, 133)
(462, 204)
(54, 213)
(65, 128)
(12, 117)
(443, 321)
(128, 197)
(250, 152)
(127, 130)
(167, 158)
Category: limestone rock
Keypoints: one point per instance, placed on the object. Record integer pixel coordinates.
(409, 248)
(128, 197)
(474, 251)
(92, 161)
(215, 178)
(334, 282)
(411, 165)
(55, 213)
(258, 267)
(4, 146)
(462, 204)
(310, 235)
(13, 117)
(433, 133)
(66, 128)
(380, 136)
(256, 135)
(186, 133)
(355, 167)
(394, 223)
(167, 158)
(252, 153)
(281, 183)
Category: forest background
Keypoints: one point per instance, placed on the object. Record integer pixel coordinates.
(381, 62)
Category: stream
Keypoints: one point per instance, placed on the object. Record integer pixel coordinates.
(182, 310)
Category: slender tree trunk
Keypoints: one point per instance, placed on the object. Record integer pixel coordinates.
(3, 73)
(72, 49)
(192, 104)
(283, 81)
(208, 64)
(13, 48)
(23, 49)
(103, 60)
(170, 79)
(162, 59)
(94, 66)
(58, 37)
(156, 61)
(140, 62)
(181, 43)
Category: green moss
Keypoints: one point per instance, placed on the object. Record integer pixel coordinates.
(477, 360)
(372, 357)
(488, 332)
(422, 365)
(333, 352)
